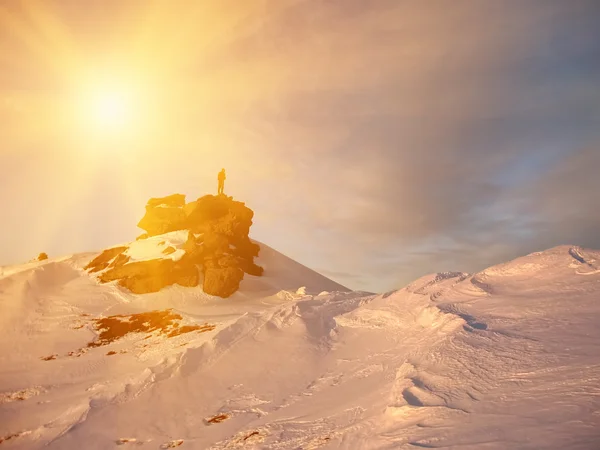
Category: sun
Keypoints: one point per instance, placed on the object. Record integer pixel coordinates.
(110, 110)
(108, 107)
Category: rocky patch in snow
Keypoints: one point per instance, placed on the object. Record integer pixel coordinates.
(202, 242)
(164, 323)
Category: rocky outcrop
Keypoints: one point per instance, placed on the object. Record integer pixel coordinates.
(228, 252)
(216, 246)
(222, 280)
(175, 200)
(42, 256)
(105, 259)
(164, 215)
(142, 277)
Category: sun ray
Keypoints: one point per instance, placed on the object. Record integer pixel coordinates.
(151, 60)
(22, 32)
(35, 115)
(189, 38)
(42, 36)
(55, 33)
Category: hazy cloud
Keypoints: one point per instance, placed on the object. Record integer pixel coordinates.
(388, 139)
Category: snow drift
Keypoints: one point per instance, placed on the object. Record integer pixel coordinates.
(507, 358)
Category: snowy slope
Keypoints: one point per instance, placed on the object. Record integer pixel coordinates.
(508, 358)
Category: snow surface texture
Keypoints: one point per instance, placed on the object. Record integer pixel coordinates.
(508, 358)
(154, 247)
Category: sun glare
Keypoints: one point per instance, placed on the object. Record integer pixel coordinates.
(110, 110)
(109, 107)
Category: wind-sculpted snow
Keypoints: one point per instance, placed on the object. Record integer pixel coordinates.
(505, 358)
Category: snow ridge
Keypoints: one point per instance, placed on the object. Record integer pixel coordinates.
(505, 358)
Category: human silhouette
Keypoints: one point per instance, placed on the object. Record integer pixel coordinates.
(221, 177)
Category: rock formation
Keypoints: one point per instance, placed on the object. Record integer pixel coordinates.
(164, 215)
(206, 238)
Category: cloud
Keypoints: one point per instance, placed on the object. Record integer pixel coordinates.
(385, 139)
(565, 199)
(415, 122)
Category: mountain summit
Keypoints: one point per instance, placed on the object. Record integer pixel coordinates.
(204, 242)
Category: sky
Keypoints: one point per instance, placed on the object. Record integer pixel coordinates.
(376, 141)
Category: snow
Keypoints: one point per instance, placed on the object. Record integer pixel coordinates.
(154, 247)
(508, 358)
(301, 290)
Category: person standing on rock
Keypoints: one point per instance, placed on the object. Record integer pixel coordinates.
(221, 177)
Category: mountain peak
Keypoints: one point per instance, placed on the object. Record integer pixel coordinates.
(550, 262)
(204, 242)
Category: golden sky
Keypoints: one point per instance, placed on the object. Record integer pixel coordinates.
(376, 141)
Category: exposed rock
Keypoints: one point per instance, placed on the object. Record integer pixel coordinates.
(142, 277)
(217, 245)
(168, 250)
(42, 256)
(153, 268)
(251, 268)
(194, 249)
(120, 260)
(103, 260)
(162, 219)
(186, 273)
(205, 210)
(163, 214)
(176, 200)
(222, 281)
(225, 224)
(244, 247)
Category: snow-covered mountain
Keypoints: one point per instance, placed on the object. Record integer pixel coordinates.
(508, 358)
